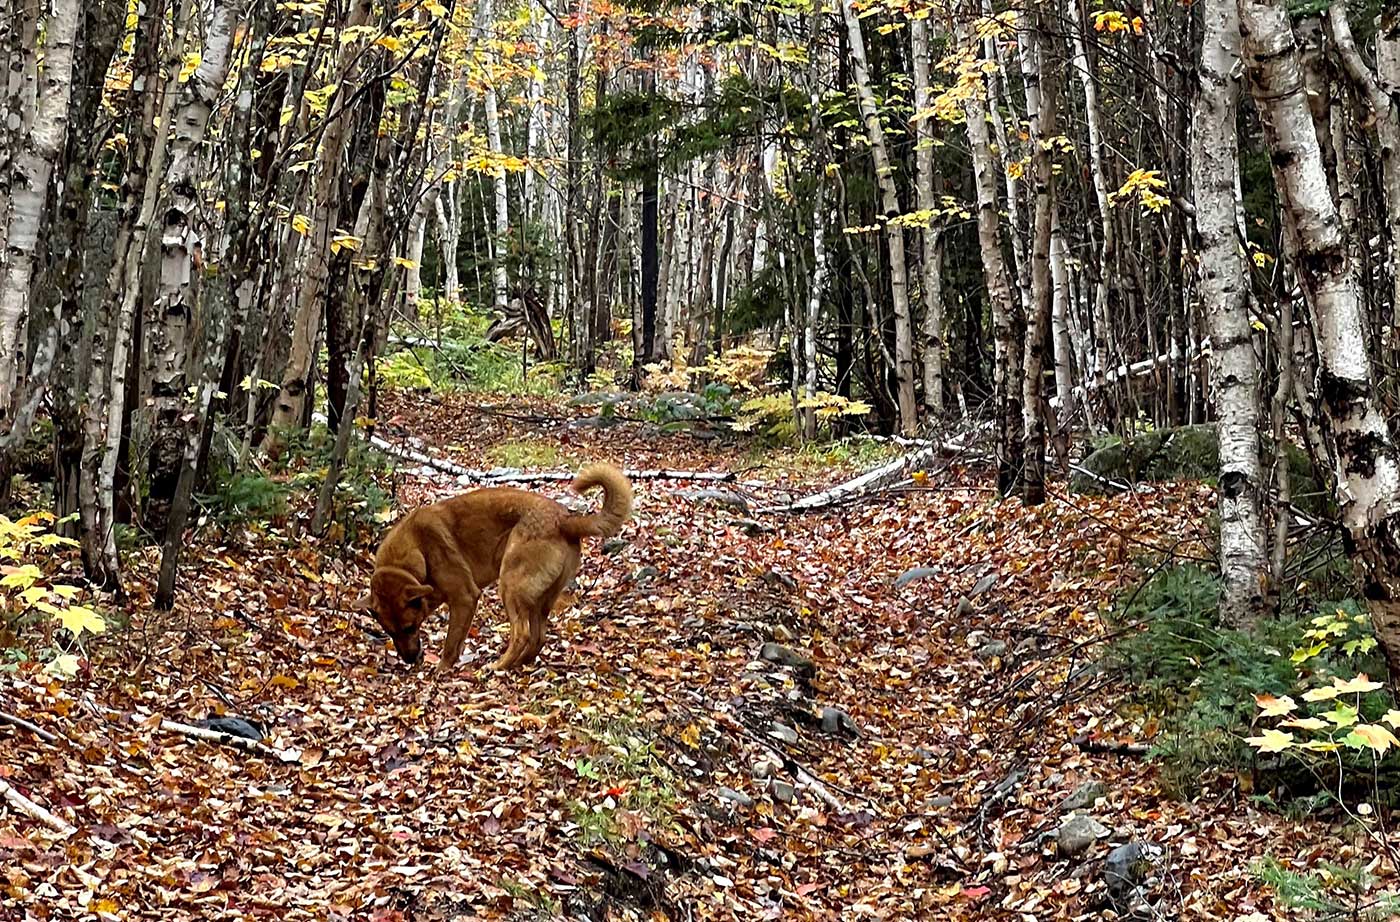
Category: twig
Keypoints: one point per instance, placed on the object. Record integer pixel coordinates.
(253, 747)
(35, 812)
(37, 730)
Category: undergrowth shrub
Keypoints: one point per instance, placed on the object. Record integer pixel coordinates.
(1216, 690)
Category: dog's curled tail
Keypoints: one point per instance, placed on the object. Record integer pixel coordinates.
(617, 503)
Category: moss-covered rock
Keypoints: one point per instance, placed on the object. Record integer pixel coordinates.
(1183, 453)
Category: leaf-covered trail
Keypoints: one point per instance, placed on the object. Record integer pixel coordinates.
(653, 765)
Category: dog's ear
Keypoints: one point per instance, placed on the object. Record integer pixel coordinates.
(416, 591)
(362, 603)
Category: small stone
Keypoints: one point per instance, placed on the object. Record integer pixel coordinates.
(786, 656)
(1077, 834)
(1083, 797)
(645, 575)
(750, 527)
(726, 498)
(783, 792)
(738, 797)
(926, 755)
(764, 767)
(915, 573)
(779, 578)
(1125, 869)
(991, 650)
(964, 609)
(836, 722)
(783, 632)
(613, 545)
(943, 800)
(783, 732)
(982, 585)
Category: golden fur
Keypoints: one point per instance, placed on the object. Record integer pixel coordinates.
(448, 552)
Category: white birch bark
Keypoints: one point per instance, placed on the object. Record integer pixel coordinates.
(29, 188)
(894, 233)
(1234, 371)
(1364, 456)
(931, 280)
(1381, 90)
(500, 282)
(1099, 173)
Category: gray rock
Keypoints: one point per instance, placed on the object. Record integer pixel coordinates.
(926, 755)
(787, 656)
(991, 649)
(613, 545)
(783, 632)
(986, 582)
(738, 797)
(726, 498)
(764, 767)
(1077, 835)
(909, 576)
(964, 607)
(1126, 872)
(750, 527)
(783, 792)
(837, 722)
(943, 800)
(1083, 797)
(645, 575)
(783, 732)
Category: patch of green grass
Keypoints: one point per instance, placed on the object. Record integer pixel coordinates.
(626, 763)
(818, 457)
(535, 905)
(526, 453)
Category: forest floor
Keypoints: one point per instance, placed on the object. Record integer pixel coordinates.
(654, 764)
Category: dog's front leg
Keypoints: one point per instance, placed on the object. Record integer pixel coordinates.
(463, 608)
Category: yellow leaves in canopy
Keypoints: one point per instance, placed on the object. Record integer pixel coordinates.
(487, 162)
(345, 241)
(301, 224)
(1144, 185)
(317, 100)
(1111, 21)
(190, 64)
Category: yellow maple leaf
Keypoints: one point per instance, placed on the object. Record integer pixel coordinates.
(78, 618)
(1320, 694)
(1358, 685)
(1271, 741)
(1392, 717)
(1306, 723)
(63, 666)
(1375, 737)
(1274, 707)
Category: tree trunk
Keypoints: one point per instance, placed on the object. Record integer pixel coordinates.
(1233, 367)
(500, 281)
(1363, 454)
(289, 409)
(932, 264)
(182, 244)
(28, 181)
(894, 233)
(1041, 105)
(1007, 322)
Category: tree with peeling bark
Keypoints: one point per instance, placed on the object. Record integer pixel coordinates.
(1234, 369)
(1363, 454)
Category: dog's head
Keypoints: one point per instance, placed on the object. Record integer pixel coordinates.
(399, 603)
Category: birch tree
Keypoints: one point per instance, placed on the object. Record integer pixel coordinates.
(894, 232)
(39, 141)
(1363, 454)
(1233, 367)
(931, 281)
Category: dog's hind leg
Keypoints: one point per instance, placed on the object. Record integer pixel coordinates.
(539, 613)
(518, 614)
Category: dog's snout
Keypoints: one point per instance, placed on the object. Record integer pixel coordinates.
(411, 657)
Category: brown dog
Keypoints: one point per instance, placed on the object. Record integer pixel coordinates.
(447, 553)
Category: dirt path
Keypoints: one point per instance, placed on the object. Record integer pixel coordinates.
(655, 765)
